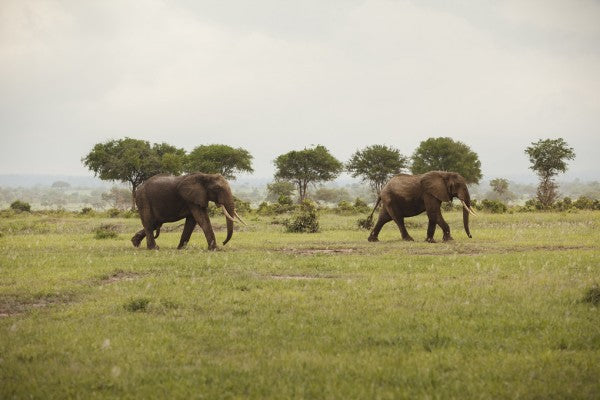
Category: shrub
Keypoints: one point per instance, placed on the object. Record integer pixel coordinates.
(87, 211)
(135, 305)
(361, 206)
(592, 295)
(106, 231)
(563, 205)
(365, 223)
(494, 206)
(305, 219)
(20, 206)
(241, 206)
(586, 203)
(113, 212)
(344, 207)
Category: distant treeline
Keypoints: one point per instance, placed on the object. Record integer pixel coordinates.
(61, 195)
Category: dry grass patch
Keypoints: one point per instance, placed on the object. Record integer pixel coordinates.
(15, 305)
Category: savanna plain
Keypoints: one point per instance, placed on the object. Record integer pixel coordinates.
(510, 313)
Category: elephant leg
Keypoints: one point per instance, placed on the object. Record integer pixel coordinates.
(444, 226)
(149, 231)
(432, 206)
(190, 224)
(138, 237)
(403, 231)
(201, 217)
(384, 218)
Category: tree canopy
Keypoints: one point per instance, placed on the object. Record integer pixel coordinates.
(133, 161)
(219, 159)
(446, 154)
(376, 164)
(311, 165)
(548, 158)
(279, 188)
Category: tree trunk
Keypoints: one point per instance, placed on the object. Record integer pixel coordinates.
(133, 197)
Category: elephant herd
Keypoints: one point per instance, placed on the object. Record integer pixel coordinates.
(166, 198)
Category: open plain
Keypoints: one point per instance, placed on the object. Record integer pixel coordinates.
(506, 314)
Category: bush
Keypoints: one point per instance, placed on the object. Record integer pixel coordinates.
(135, 305)
(87, 211)
(563, 205)
(586, 203)
(241, 206)
(344, 207)
(365, 223)
(106, 231)
(20, 206)
(361, 206)
(113, 212)
(304, 220)
(593, 295)
(494, 206)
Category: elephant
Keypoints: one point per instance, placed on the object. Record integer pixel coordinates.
(409, 195)
(167, 198)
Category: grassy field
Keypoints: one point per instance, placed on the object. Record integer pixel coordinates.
(279, 315)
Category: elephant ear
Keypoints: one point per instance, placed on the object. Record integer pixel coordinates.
(435, 185)
(192, 190)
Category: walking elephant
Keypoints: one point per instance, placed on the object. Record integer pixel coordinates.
(409, 195)
(167, 198)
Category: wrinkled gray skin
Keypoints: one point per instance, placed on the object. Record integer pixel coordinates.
(167, 198)
(410, 195)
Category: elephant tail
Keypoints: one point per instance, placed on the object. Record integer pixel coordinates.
(375, 208)
(157, 234)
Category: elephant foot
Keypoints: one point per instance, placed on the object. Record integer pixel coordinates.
(448, 238)
(136, 240)
(430, 240)
(408, 239)
(373, 239)
(155, 247)
(181, 246)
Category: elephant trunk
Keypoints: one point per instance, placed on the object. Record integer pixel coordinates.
(466, 201)
(230, 210)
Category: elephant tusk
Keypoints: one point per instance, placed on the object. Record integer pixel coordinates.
(240, 218)
(229, 217)
(467, 208)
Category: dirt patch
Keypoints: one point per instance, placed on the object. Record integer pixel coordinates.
(14, 305)
(301, 277)
(309, 252)
(119, 276)
(432, 250)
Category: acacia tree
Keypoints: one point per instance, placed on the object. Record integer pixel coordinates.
(446, 154)
(279, 188)
(133, 161)
(376, 164)
(311, 165)
(219, 159)
(500, 186)
(548, 158)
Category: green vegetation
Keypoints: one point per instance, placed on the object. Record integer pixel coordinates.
(446, 154)
(219, 159)
(20, 206)
(133, 161)
(548, 159)
(376, 164)
(511, 313)
(308, 166)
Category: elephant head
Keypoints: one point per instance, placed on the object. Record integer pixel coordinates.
(201, 188)
(445, 186)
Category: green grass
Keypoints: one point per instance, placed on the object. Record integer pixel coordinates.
(506, 314)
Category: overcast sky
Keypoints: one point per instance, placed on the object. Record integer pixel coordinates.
(274, 76)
